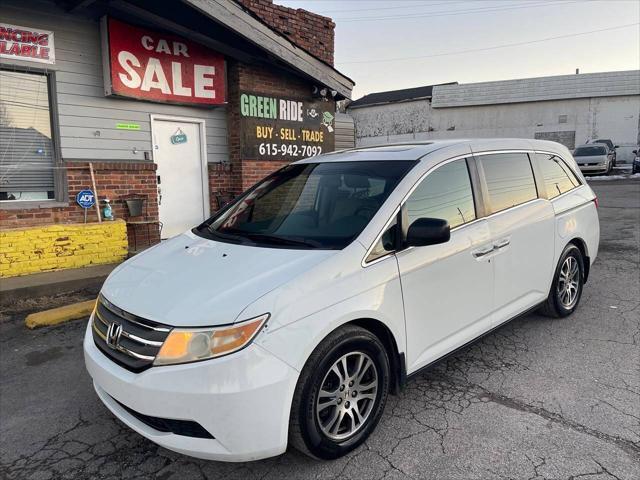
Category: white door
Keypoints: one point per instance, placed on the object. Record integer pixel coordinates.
(447, 288)
(523, 233)
(182, 193)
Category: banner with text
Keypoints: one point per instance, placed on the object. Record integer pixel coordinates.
(278, 128)
(27, 44)
(149, 65)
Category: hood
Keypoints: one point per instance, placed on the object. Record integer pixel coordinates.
(591, 159)
(192, 282)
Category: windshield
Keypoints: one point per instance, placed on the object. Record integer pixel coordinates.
(608, 143)
(589, 151)
(314, 205)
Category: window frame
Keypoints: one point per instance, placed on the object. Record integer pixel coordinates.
(400, 214)
(60, 187)
(480, 193)
(563, 165)
(541, 192)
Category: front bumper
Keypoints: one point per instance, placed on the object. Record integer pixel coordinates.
(243, 400)
(600, 168)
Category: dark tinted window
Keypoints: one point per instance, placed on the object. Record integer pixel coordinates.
(608, 143)
(558, 179)
(316, 205)
(445, 193)
(589, 151)
(509, 179)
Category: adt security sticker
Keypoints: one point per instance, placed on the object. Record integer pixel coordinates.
(86, 198)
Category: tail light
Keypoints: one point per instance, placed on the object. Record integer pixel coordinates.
(595, 200)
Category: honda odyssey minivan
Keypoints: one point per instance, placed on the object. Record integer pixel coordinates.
(289, 316)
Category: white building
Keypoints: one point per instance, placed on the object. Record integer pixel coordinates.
(570, 109)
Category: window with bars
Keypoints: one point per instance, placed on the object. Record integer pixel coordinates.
(27, 154)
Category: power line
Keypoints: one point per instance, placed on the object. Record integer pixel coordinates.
(396, 7)
(447, 13)
(495, 47)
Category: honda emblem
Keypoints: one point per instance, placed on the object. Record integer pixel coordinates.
(113, 335)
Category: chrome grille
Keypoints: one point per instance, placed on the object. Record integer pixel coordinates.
(127, 339)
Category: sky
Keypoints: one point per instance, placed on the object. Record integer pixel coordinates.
(377, 41)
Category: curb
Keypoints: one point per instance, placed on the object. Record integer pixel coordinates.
(59, 315)
(53, 283)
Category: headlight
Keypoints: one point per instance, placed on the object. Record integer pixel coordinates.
(185, 345)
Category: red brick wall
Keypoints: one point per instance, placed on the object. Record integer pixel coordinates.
(114, 180)
(310, 31)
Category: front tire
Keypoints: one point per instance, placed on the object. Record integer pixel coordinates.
(340, 395)
(566, 289)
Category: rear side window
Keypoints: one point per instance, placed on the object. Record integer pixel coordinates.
(558, 178)
(445, 193)
(510, 180)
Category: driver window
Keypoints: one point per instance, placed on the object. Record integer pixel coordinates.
(445, 193)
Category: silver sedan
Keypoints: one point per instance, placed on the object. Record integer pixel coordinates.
(593, 158)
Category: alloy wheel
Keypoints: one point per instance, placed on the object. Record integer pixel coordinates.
(347, 395)
(568, 282)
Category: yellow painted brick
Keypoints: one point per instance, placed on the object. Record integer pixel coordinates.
(56, 247)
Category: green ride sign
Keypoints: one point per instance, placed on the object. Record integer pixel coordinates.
(279, 128)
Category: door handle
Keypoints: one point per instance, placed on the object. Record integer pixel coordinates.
(483, 251)
(502, 243)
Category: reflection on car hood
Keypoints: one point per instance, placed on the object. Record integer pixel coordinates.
(191, 281)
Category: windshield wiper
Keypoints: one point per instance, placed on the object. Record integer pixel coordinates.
(241, 239)
(276, 240)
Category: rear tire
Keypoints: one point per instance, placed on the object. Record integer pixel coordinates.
(568, 280)
(337, 405)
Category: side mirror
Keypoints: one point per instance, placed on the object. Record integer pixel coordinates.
(428, 231)
(616, 146)
(635, 152)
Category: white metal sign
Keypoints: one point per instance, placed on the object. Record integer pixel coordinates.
(27, 44)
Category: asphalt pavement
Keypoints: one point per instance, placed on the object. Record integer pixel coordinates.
(537, 399)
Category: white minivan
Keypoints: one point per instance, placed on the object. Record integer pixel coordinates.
(290, 315)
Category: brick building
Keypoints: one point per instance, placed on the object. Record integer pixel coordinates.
(167, 108)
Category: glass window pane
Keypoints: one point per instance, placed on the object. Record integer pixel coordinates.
(445, 193)
(26, 148)
(558, 178)
(322, 205)
(509, 179)
(386, 243)
(590, 151)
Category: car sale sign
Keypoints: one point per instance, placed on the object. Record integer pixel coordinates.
(148, 65)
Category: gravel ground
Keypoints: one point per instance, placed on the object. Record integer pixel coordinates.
(537, 399)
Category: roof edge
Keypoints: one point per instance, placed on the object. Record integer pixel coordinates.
(233, 16)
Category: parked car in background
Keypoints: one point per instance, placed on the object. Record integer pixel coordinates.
(612, 148)
(290, 315)
(635, 167)
(593, 158)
